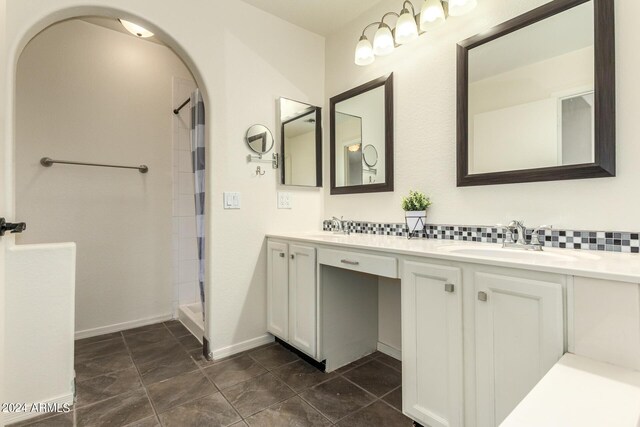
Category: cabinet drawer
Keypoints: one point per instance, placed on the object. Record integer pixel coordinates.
(365, 263)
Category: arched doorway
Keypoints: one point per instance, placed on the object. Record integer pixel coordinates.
(14, 141)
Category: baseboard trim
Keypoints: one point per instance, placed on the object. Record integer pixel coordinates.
(389, 351)
(243, 346)
(10, 418)
(87, 333)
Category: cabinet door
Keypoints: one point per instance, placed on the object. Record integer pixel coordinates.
(432, 384)
(302, 298)
(519, 337)
(278, 290)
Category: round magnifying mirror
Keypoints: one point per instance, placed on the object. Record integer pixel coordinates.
(370, 155)
(259, 139)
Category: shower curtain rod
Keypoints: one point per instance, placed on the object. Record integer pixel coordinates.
(48, 162)
(177, 110)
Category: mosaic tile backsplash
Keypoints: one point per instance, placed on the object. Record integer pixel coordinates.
(628, 242)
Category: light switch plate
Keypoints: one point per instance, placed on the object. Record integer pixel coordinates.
(231, 200)
(284, 200)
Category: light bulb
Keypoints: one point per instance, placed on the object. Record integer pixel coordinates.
(354, 148)
(406, 27)
(383, 43)
(364, 52)
(431, 15)
(136, 29)
(460, 7)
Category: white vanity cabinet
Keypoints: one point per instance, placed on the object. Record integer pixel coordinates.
(432, 383)
(302, 298)
(478, 332)
(514, 328)
(519, 330)
(292, 294)
(278, 289)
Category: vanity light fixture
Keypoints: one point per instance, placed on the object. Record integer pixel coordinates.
(386, 39)
(406, 27)
(364, 50)
(383, 43)
(354, 148)
(431, 14)
(136, 29)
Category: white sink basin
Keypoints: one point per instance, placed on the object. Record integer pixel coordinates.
(517, 254)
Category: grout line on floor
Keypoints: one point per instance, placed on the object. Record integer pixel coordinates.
(316, 409)
(144, 387)
(276, 403)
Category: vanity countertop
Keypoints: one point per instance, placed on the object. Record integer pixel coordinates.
(579, 391)
(595, 264)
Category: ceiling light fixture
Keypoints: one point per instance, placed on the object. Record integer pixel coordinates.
(432, 14)
(136, 29)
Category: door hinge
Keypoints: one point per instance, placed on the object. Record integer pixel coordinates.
(449, 287)
(482, 296)
(13, 227)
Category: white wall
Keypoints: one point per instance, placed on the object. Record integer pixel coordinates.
(40, 317)
(606, 321)
(389, 313)
(4, 184)
(513, 116)
(425, 132)
(523, 136)
(233, 62)
(87, 93)
(301, 159)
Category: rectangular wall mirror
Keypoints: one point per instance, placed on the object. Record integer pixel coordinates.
(301, 143)
(536, 97)
(362, 138)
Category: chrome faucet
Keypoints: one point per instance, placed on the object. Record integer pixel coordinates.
(340, 226)
(521, 229)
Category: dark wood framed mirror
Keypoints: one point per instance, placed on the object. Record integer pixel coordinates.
(300, 143)
(361, 138)
(536, 97)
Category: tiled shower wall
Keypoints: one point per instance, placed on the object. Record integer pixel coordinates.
(612, 241)
(185, 249)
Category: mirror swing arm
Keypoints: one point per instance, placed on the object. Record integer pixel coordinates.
(257, 158)
(604, 164)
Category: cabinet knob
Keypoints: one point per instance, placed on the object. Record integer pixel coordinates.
(482, 296)
(293, 256)
(449, 287)
(281, 254)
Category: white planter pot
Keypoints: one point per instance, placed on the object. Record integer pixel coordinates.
(413, 220)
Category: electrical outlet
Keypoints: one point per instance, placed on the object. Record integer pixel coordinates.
(284, 200)
(231, 200)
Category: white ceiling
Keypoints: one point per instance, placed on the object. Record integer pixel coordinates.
(320, 16)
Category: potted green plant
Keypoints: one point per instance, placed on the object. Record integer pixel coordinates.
(415, 206)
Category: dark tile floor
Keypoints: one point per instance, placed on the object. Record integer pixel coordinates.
(155, 375)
